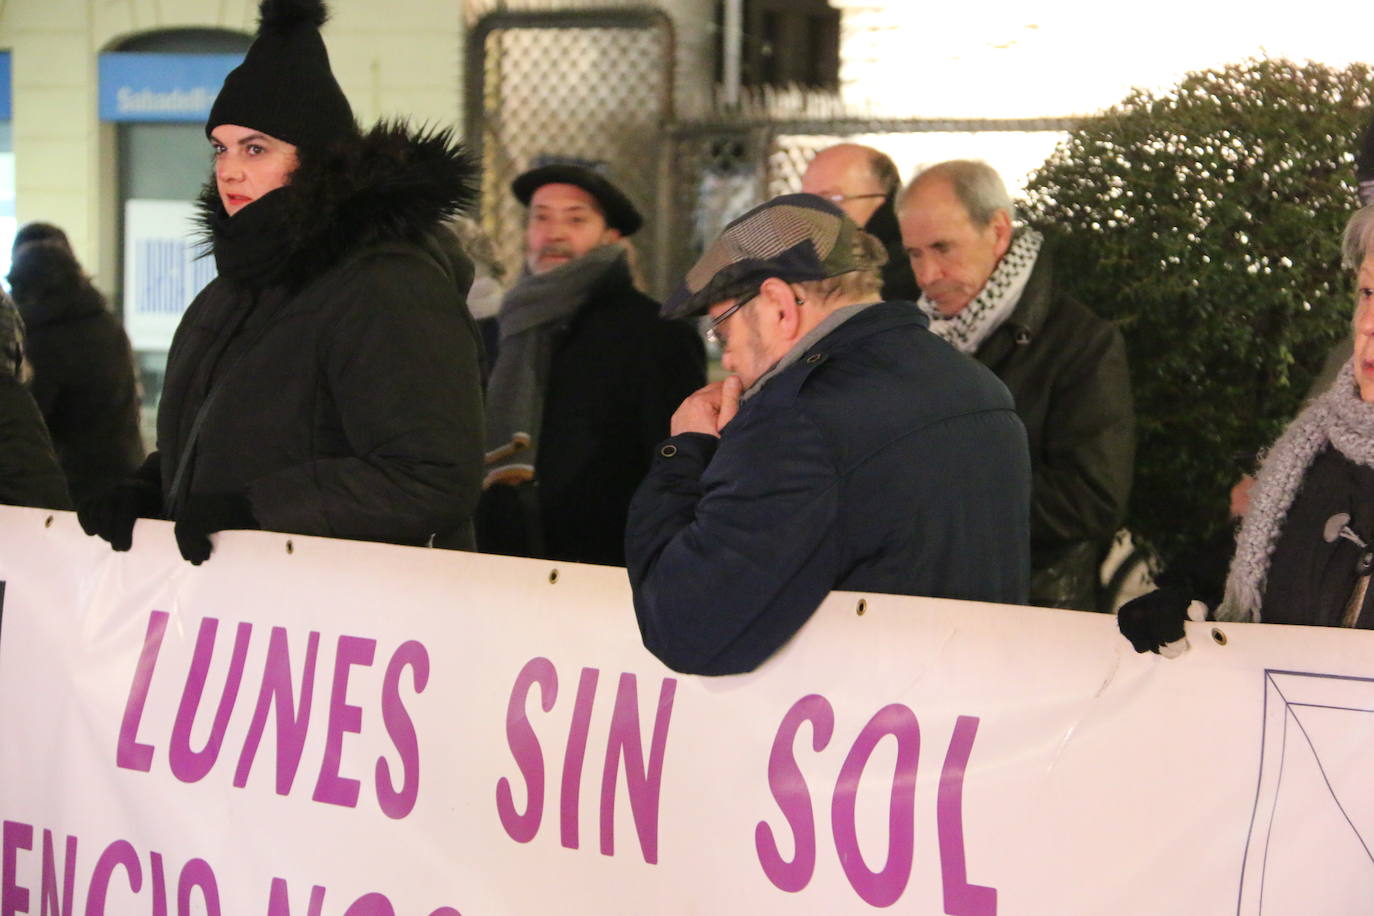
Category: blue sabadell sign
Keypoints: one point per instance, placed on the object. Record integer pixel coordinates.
(161, 87)
(6, 92)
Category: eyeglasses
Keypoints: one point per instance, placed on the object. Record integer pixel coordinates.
(713, 334)
(841, 198)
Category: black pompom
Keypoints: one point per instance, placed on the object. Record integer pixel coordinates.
(285, 15)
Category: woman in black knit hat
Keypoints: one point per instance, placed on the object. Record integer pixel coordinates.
(326, 382)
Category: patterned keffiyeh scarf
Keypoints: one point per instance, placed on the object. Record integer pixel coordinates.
(995, 301)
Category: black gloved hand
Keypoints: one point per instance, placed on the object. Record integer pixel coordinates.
(1155, 619)
(111, 513)
(205, 514)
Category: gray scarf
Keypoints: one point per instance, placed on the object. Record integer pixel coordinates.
(1338, 418)
(534, 313)
(967, 330)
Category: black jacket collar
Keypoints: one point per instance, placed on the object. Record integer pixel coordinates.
(1033, 308)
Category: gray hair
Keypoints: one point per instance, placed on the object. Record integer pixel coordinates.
(854, 286)
(1358, 237)
(977, 185)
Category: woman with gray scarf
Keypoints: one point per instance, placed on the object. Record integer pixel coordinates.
(1306, 548)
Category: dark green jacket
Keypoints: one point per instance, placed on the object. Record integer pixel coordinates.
(1066, 369)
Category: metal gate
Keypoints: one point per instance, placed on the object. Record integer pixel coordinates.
(590, 86)
(724, 166)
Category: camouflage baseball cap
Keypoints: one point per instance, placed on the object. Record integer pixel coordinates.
(795, 237)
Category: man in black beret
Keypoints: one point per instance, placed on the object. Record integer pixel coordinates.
(585, 378)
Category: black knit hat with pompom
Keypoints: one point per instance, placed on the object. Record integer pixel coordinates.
(284, 87)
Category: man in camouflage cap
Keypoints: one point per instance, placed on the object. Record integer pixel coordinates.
(849, 449)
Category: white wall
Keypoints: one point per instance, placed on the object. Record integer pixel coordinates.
(1057, 58)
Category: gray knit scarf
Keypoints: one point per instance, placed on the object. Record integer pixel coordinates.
(1338, 418)
(533, 314)
(995, 301)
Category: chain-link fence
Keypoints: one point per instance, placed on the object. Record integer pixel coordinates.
(584, 86)
(596, 87)
(725, 166)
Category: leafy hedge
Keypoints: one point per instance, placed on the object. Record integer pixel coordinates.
(1206, 221)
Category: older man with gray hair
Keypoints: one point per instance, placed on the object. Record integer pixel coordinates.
(989, 289)
(850, 449)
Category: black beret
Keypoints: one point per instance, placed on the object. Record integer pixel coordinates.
(620, 214)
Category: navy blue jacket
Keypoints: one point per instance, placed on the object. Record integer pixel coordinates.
(881, 461)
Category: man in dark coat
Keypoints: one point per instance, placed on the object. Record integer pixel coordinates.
(851, 449)
(585, 379)
(864, 183)
(326, 382)
(83, 370)
(989, 290)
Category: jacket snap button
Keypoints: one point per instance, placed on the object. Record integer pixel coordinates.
(1023, 337)
(668, 451)
(814, 358)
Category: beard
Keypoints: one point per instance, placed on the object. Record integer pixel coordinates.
(550, 256)
(556, 250)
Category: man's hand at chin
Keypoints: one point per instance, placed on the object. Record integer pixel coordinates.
(708, 410)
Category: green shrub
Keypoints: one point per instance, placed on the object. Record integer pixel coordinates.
(1206, 221)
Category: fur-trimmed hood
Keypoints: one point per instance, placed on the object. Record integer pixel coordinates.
(392, 183)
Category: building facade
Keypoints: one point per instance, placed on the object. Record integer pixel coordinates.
(401, 57)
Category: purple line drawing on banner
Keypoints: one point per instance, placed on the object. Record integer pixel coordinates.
(1312, 829)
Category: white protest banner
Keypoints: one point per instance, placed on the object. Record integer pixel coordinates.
(304, 726)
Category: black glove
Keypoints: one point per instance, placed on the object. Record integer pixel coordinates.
(1152, 620)
(112, 512)
(205, 514)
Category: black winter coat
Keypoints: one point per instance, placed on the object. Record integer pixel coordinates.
(1310, 577)
(881, 461)
(1067, 370)
(341, 355)
(898, 280)
(84, 379)
(615, 379)
(29, 475)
